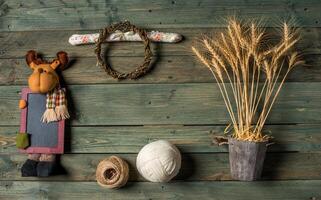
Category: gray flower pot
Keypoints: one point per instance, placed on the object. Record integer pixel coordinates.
(246, 159)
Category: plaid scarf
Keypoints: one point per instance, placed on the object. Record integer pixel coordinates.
(56, 106)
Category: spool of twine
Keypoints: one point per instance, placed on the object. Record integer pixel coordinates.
(112, 172)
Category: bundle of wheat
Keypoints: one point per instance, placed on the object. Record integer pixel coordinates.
(237, 57)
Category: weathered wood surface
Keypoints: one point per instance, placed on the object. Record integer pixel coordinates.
(231, 190)
(32, 15)
(143, 104)
(212, 166)
(189, 139)
(173, 63)
(246, 159)
(16, 44)
(178, 101)
(169, 69)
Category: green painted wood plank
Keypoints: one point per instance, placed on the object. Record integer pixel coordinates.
(211, 166)
(168, 69)
(19, 15)
(16, 44)
(232, 190)
(193, 139)
(143, 104)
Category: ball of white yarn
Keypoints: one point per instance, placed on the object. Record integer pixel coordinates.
(159, 161)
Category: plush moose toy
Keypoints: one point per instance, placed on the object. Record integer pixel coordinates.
(45, 80)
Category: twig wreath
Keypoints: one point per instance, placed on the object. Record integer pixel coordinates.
(124, 27)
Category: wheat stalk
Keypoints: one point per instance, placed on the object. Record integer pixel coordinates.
(239, 54)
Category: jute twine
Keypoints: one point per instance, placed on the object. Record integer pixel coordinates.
(124, 27)
(112, 172)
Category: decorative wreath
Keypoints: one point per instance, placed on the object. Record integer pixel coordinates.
(124, 27)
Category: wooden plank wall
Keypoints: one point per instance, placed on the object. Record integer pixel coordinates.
(178, 100)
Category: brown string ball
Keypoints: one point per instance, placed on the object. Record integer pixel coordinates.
(112, 172)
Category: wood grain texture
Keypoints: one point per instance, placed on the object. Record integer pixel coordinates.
(168, 69)
(189, 139)
(232, 190)
(211, 166)
(246, 159)
(19, 15)
(16, 44)
(178, 100)
(143, 104)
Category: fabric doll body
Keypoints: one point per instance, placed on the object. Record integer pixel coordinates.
(44, 80)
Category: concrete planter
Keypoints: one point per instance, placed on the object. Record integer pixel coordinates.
(246, 159)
